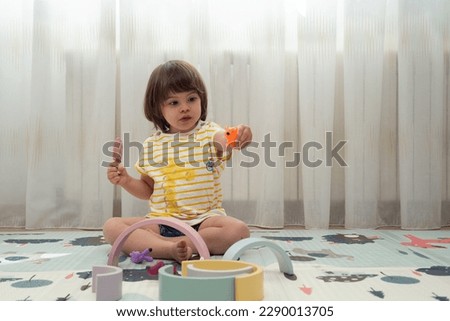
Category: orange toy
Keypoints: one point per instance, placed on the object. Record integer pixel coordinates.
(231, 136)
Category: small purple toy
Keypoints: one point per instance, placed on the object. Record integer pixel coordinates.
(139, 257)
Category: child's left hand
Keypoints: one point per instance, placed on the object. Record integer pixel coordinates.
(244, 136)
(233, 137)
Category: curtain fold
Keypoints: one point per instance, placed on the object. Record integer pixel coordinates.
(316, 89)
(364, 23)
(421, 112)
(348, 102)
(15, 77)
(67, 67)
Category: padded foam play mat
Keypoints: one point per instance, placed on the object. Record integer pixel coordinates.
(350, 265)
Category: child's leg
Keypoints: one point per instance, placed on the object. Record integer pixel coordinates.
(176, 248)
(220, 232)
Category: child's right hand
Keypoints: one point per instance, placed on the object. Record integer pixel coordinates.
(117, 174)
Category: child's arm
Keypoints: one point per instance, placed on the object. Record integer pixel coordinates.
(141, 188)
(117, 174)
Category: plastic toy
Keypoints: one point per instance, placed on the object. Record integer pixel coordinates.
(231, 134)
(153, 270)
(139, 257)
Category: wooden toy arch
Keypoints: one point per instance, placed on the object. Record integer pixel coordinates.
(284, 262)
(107, 282)
(187, 230)
(221, 280)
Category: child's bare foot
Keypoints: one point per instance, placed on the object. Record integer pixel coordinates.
(181, 252)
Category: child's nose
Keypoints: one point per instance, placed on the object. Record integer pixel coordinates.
(185, 107)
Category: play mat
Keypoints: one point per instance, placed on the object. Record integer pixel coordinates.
(338, 264)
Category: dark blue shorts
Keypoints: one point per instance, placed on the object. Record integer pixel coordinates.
(169, 231)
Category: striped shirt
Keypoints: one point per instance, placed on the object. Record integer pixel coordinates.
(186, 173)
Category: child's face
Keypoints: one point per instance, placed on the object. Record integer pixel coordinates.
(182, 111)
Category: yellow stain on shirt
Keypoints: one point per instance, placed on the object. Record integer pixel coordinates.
(174, 173)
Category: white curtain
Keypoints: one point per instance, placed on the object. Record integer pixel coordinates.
(316, 87)
(348, 101)
(57, 96)
(363, 74)
(421, 110)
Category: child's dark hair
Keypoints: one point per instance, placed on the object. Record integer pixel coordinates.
(174, 76)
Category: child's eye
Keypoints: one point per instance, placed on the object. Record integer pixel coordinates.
(192, 99)
(173, 102)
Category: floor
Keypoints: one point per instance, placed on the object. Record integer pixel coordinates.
(336, 264)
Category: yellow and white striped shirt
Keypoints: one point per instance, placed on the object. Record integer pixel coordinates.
(186, 186)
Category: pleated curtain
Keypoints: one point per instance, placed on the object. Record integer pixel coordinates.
(347, 99)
